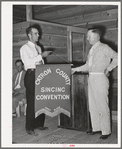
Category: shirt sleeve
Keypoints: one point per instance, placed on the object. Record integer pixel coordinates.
(83, 68)
(25, 56)
(113, 56)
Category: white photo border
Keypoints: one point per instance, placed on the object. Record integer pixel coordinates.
(6, 72)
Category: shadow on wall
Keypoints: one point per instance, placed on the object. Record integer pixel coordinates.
(112, 44)
(38, 27)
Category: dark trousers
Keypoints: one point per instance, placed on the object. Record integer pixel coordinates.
(31, 121)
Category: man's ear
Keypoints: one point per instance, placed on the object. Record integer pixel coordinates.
(29, 35)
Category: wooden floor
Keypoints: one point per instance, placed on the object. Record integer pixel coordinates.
(55, 135)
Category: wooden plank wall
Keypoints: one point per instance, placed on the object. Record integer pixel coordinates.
(19, 38)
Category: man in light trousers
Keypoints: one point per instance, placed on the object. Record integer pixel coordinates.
(101, 60)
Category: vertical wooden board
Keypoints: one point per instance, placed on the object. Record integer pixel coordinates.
(80, 105)
(78, 56)
(29, 12)
(113, 97)
(65, 121)
(78, 53)
(114, 76)
(79, 45)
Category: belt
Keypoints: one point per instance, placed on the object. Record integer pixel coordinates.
(32, 69)
(96, 73)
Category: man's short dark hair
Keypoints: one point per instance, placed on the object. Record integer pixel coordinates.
(29, 29)
(96, 30)
(19, 60)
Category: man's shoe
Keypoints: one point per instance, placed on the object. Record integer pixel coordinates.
(93, 132)
(31, 132)
(104, 136)
(42, 128)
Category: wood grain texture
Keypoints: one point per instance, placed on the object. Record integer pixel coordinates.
(51, 28)
(79, 105)
(106, 24)
(102, 16)
(76, 10)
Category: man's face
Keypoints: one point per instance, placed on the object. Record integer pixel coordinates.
(19, 66)
(34, 36)
(92, 37)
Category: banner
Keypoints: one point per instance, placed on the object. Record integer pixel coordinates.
(52, 89)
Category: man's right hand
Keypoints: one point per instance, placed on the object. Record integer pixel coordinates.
(73, 70)
(45, 53)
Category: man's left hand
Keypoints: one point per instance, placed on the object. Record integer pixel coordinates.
(107, 73)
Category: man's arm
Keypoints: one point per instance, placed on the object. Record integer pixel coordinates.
(43, 54)
(83, 68)
(26, 58)
(111, 54)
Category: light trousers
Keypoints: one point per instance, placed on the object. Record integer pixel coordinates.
(98, 86)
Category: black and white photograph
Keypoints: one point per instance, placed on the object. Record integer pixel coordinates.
(61, 75)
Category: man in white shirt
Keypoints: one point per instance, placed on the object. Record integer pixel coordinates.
(31, 56)
(101, 60)
(18, 85)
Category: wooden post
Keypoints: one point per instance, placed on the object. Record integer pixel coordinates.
(58, 120)
(69, 45)
(29, 14)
